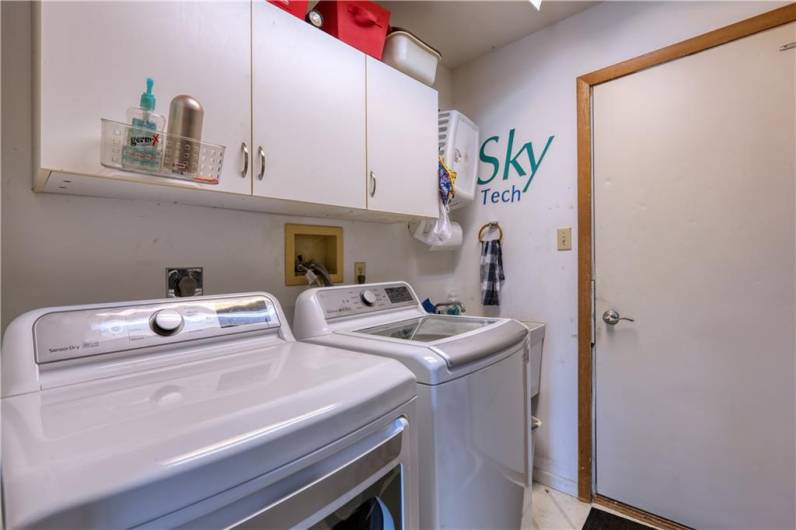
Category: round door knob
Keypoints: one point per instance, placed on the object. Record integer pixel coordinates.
(368, 297)
(166, 322)
(612, 317)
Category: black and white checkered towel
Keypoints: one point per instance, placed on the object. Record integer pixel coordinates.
(492, 276)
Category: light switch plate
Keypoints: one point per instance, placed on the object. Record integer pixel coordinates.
(359, 271)
(564, 238)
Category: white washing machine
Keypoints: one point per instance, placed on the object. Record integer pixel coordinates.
(475, 379)
(200, 413)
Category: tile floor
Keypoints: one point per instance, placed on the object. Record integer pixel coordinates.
(553, 510)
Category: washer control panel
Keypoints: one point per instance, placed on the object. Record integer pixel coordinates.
(359, 300)
(63, 335)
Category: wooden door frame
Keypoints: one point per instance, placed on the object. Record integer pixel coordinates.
(585, 83)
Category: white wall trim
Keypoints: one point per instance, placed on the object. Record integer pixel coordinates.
(557, 482)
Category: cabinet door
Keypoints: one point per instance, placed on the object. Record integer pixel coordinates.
(402, 143)
(93, 60)
(308, 112)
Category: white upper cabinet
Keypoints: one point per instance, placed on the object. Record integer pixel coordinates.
(93, 60)
(329, 131)
(308, 112)
(402, 143)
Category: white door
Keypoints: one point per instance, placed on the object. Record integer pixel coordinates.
(402, 143)
(694, 239)
(95, 58)
(308, 112)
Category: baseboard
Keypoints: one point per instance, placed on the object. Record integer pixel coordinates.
(557, 482)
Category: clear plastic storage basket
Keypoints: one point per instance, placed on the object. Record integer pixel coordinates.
(160, 154)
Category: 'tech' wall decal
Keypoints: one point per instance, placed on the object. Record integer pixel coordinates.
(511, 162)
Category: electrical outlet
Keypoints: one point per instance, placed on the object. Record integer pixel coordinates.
(184, 282)
(359, 271)
(565, 238)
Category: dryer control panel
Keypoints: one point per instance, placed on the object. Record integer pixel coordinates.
(365, 299)
(62, 335)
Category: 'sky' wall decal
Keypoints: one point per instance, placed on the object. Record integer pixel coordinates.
(491, 194)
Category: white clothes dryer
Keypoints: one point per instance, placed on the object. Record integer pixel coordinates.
(199, 413)
(475, 380)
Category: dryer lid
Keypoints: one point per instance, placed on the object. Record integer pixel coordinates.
(165, 439)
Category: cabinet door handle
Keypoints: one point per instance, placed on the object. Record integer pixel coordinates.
(261, 154)
(245, 149)
(372, 184)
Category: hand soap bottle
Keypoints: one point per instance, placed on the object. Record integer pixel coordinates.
(144, 147)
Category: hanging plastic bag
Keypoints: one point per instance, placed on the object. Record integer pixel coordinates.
(439, 232)
(442, 228)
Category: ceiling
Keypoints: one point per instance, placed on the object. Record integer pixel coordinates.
(465, 29)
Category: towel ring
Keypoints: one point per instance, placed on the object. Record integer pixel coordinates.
(487, 226)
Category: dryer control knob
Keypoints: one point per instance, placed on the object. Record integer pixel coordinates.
(368, 297)
(166, 322)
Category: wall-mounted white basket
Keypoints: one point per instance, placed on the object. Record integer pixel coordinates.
(458, 147)
(161, 154)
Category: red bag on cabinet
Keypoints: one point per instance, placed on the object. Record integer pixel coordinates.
(294, 7)
(360, 23)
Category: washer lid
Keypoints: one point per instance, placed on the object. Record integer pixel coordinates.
(458, 340)
(164, 439)
(427, 328)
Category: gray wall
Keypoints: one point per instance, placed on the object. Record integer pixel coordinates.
(76, 250)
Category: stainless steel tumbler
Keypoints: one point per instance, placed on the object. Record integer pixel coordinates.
(184, 135)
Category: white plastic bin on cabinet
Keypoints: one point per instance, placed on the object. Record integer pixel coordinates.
(405, 52)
